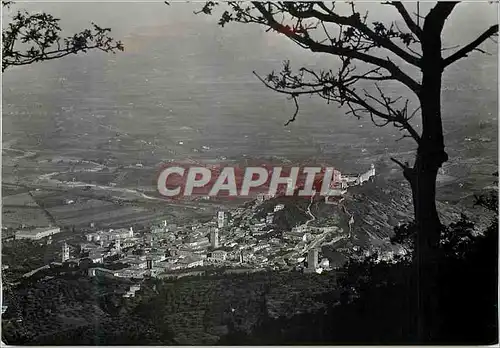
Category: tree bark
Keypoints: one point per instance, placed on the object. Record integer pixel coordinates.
(430, 157)
(426, 249)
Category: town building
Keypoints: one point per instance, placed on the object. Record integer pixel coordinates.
(299, 230)
(312, 259)
(214, 237)
(155, 272)
(137, 273)
(325, 264)
(347, 180)
(201, 243)
(132, 290)
(269, 218)
(261, 247)
(96, 257)
(95, 272)
(37, 233)
(136, 263)
(221, 217)
(278, 207)
(218, 255)
(65, 252)
(269, 196)
(189, 262)
(110, 235)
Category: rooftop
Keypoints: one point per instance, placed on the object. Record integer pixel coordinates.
(34, 231)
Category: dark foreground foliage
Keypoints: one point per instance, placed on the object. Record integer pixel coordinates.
(366, 302)
(383, 310)
(378, 302)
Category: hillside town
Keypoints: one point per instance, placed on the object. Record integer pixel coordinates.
(239, 239)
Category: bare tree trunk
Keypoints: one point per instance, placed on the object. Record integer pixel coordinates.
(430, 156)
(426, 250)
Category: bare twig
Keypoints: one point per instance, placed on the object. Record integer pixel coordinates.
(406, 17)
(295, 113)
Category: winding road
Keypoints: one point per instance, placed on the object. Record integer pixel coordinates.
(310, 213)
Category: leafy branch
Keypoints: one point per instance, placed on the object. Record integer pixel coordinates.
(35, 37)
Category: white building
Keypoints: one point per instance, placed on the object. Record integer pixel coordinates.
(189, 262)
(131, 273)
(137, 263)
(37, 233)
(312, 259)
(325, 263)
(219, 255)
(269, 218)
(278, 207)
(65, 252)
(299, 229)
(351, 180)
(261, 247)
(96, 257)
(132, 290)
(269, 196)
(307, 237)
(111, 235)
(214, 237)
(157, 257)
(200, 243)
(102, 272)
(368, 175)
(221, 216)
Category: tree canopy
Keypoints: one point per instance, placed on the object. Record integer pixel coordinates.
(35, 37)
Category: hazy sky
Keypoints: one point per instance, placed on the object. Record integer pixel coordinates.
(468, 19)
(181, 69)
(132, 22)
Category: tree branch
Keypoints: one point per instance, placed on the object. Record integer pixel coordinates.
(355, 22)
(295, 113)
(464, 51)
(338, 88)
(403, 166)
(415, 29)
(408, 172)
(30, 38)
(307, 42)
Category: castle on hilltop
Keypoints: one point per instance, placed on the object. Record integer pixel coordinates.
(341, 183)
